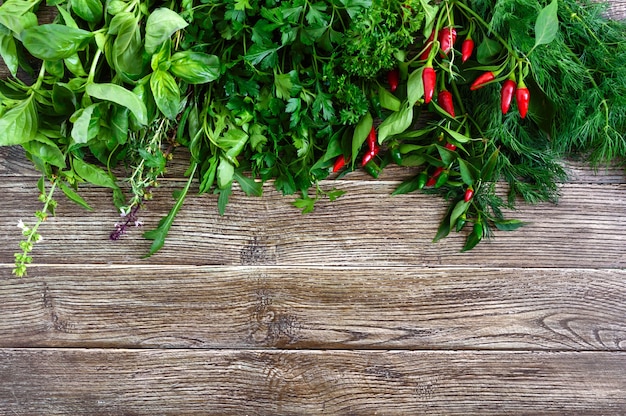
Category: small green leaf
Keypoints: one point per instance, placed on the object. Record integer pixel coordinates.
(8, 52)
(547, 24)
(488, 50)
(415, 86)
(459, 209)
(305, 204)
(396, 123)
(509, 225)
(457, 136)
(248, 185)
(406, 187)
(388, 100)
(468, 172)
(73, 196)
(159, 234)
(222, 200)
(160, 26)
(93, 174)
(119, 95)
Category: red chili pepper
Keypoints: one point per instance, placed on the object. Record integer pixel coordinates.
(467, 49)
(429, 78)
(424, 56)
(393, 77)
(371, 140)
(523, 99)
(444, 99)
(447, 37)
(469, 194)
(340, 162)
(450, 146)
(433, 179)
(482, 80)
(506, 95)
(367, 157)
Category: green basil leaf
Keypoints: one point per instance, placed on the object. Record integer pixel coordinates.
(119, 124)
(166, 93)
(195, 67)
(86, 124)
(8, 52)
(547, 24)
(53, 42)
(361, 131)
(19, 125)
(46, 150)
(160, 26)
(388, 100)
(63, 99)
(93, 174)
(75, 66)
(17, 15)
(73, 196)
(396, 123)
(88, 10)
(119, 95)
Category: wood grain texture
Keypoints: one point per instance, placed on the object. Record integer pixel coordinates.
(365, 227)
(314, 307)
(135, 382)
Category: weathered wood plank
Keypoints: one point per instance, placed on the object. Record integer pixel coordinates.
(341, 308)
(136, 382)
(364, 227)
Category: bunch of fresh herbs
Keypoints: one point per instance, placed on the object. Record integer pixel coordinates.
(284, 90)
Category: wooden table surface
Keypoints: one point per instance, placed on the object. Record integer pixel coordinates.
(350, 310)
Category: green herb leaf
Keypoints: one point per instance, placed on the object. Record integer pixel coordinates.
(73, 196)
(19, 125)
(166, 93)
(509, 225)
(195, 67)
(46, 150)
(547, 24)
(93, 174)
(8, 52)
(160, 26)
(248, 185)
(388, 100)
(159, 234)
(54, 42)
(396, 123)
(88, 10)
(119, 95)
